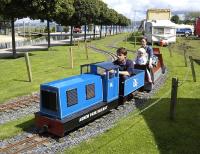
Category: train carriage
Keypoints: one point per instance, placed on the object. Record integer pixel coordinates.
(157, 70)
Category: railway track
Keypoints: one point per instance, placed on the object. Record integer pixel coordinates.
(24, 145)
(112, 55)
(20, 103)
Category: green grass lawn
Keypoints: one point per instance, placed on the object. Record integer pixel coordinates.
(15, 127)
(152, 131)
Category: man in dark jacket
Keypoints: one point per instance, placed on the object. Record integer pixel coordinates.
(125, 67)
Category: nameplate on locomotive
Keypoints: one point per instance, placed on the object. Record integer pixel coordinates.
(135, 83)
(93, 113)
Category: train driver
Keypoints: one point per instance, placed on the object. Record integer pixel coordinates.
(125, 65)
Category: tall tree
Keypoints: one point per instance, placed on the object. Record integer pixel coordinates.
(12, 9)
(104, 15)
(175, 19)
(51, 10)
(192, 15)
(86, 12)
(45, 10)
(64, 12)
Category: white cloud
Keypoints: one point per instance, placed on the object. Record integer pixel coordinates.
(137, 8)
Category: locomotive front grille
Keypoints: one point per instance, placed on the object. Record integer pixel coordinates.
(49, 100)
(90, 91)
(72, 97)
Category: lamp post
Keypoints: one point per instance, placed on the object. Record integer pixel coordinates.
(24, 28)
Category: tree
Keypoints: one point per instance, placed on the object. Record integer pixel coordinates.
(64, 13)
(175, 19)
(192, 15)
(103, 15)
(12, 9)
(86, 12)
(44, 10)
(52, 10)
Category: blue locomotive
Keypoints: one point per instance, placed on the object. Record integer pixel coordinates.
(68, 103)
(71, 102)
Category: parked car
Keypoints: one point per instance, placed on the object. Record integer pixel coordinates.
(77, 29)
(183, 32)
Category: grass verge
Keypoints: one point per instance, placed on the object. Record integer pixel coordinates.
(152, 131)
(46, 66)
(15, 127)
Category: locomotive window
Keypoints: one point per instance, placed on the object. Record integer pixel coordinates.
(49, 100)
(72, 97)
(86, 69)
(90, 91)
(101, 71)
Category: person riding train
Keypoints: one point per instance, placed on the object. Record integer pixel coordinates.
(149, 51)
(142, 59)
(125, 66)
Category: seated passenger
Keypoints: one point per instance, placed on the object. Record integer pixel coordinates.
(148, 50)
(142, 59)
(125, 65)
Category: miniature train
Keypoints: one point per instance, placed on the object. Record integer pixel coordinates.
(71, 102)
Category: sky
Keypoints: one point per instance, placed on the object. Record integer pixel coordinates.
(136, 9)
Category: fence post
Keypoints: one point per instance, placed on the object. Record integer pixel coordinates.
(78, 44)
(192, 68)
(71, 57)
(86, 50)
(170, 50)
(74, 42)
(173, 98)
(125, 39)
(28, 66)
(185, 58)
(135, 41)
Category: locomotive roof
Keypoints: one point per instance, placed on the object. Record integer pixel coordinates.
(106, 65)
(71, 80)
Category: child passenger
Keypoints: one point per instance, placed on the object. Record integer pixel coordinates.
(141, 59)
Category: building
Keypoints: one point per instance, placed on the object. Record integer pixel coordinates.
(158, 14)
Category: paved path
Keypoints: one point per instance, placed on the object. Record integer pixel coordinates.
(8, 51)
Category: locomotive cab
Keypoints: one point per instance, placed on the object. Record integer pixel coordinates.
(110, 78)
